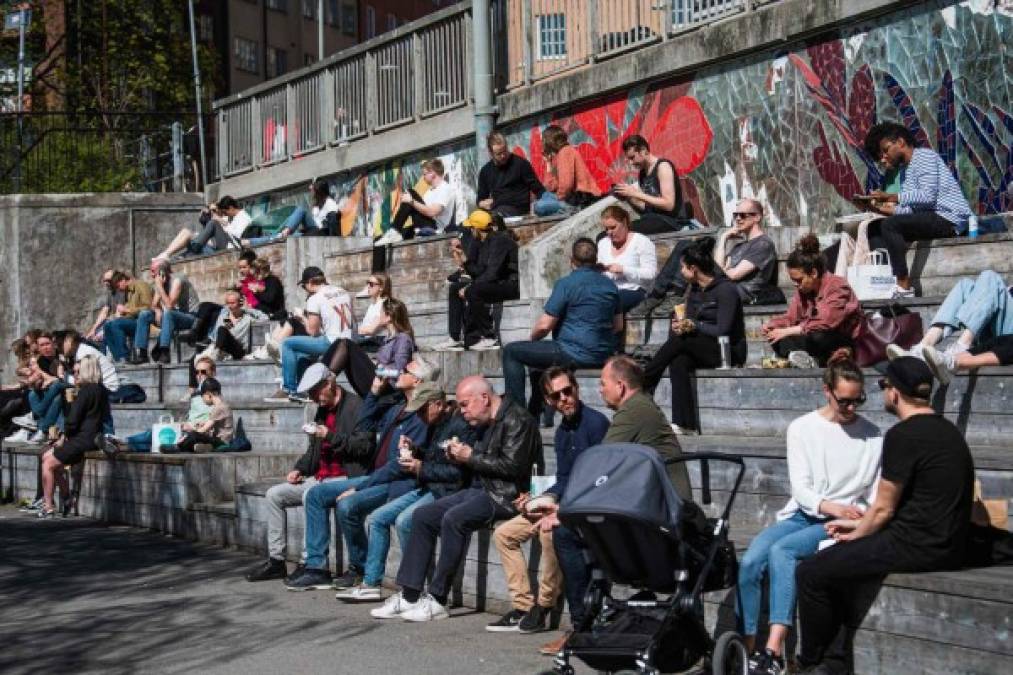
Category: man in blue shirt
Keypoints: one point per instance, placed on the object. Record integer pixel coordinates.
(582, 427)
(930, 204)
(584, 316)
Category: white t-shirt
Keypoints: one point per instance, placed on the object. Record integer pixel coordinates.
(334, 305)
(110, 378)
(372, 314)
(238, 223)
(321, 212)
(831, 462)
(639, 260)
(443, 195)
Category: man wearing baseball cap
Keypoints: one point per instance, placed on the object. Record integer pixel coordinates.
(918, 522)
(493, 274)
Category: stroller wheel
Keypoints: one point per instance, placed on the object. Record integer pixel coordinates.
(730, 655)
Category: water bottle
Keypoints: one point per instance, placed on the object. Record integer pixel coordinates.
(387, 372)
(972, 227)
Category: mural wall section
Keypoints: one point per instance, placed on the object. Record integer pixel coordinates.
(784, 126)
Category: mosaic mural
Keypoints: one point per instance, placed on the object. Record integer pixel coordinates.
(785, 126)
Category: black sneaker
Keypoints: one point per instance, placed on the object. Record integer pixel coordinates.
(766, 663)
(299, 398)
(310, 580)
(265, 571)
(349, 579)
(535, 620)
(508, 623)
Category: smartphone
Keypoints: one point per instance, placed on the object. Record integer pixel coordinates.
(863, 198)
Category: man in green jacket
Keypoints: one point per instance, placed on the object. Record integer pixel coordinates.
(638, 419)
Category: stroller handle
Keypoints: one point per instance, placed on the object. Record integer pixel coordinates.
(705, 458)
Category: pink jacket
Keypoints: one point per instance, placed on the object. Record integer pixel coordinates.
(834, 307)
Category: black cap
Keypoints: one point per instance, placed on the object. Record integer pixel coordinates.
(910, 376)
(309, 273)
(211, 386)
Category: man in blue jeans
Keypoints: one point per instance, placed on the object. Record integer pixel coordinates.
(584, 316)
(430, 475)
(329, 317)
(174, 305)
(370, 451)
(138, 298)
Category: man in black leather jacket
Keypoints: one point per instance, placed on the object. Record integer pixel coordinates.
(500, 466)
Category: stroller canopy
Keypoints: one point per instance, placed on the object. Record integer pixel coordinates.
(626, 479)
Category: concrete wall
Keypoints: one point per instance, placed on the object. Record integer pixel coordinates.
(53, 249)
(773, 103)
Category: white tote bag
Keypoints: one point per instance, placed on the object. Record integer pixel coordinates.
(873, 278)
(165, 432)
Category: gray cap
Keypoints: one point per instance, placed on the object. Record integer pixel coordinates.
(313, 376)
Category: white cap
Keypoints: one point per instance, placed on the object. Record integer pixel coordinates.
(313, 376)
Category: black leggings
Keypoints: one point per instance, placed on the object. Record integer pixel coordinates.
(894, 234)
(345, 356)
(819, 344)
(472, 315)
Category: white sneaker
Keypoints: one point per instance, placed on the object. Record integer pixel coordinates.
(894, 352)
(392, 607)
(450, 344)
(942, 364)
(258, 354)
(19, 436)
(900, 293)
(426, 609)
(485, 345)
(360, 593)
(212, 352)
(38, 437)
(801, 359)
(26, 421)
(392, 236)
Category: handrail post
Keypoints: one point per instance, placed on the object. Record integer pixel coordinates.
(418, 75)
(328, 132)
(256, 133)
(371, 89)
(592, 30)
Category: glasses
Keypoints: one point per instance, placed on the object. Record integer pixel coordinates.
(885, 383)
(203, 371)
(742, 215)
(371, 282)
(565, 391)
(849, 402)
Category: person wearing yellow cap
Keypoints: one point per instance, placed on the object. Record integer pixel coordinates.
(486, 276)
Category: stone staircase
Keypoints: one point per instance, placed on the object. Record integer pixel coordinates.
(954, 622)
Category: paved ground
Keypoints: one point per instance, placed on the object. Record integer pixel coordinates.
(78, 596)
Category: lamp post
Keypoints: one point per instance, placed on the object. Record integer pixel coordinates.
(19, 20)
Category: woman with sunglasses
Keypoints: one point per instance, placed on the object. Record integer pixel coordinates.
(390, 360)
(824, 315)
(833, 465)
(369, 333)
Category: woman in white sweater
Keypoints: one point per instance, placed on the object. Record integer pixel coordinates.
(833, 464)
(628, 258)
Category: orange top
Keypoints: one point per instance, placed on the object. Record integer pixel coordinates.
(570, 174)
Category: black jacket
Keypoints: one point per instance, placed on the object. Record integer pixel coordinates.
(502, 461)
(85, 418)
(347, 415)
(497, 259)
(271, 300)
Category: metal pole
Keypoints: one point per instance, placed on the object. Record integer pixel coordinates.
(21, 99)
(200, 112)
(320, 30)
(485, 108)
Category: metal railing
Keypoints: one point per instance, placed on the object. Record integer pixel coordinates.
(547, 37)
(411, 73)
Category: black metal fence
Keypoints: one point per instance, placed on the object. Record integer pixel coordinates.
(101, 152)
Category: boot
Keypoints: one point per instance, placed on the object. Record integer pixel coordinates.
(139, 357)
(161, 355)
(197, 333)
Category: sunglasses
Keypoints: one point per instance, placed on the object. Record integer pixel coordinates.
(885, 383)
(849, 402)
(740, 215)
(565, 391)
(202, 371)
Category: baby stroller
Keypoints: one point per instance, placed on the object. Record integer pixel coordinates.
(639, 533)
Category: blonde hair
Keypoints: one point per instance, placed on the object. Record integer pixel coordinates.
(88, 371)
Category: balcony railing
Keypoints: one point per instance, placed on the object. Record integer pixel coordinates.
(401, 77)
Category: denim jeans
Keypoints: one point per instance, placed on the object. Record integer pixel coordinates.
(629, 299)
(776, 550)
(295, 350)
(982, 306)
(140, 442)
(549, 205)
(172, 320)
(48, 406)
(352, 513)
(115, 332)
(299, 221)
(572, 557)
(387, 516)
(317, 500)
(538, 356)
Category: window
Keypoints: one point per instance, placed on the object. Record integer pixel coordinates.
(370, 22)
(205, 28)
(277, 62)
(391, 22)
(278, 5)
(309, 9)
(349, 20)
(246, 55)
(552, 36)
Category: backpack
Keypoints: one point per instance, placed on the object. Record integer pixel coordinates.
(128, 393)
